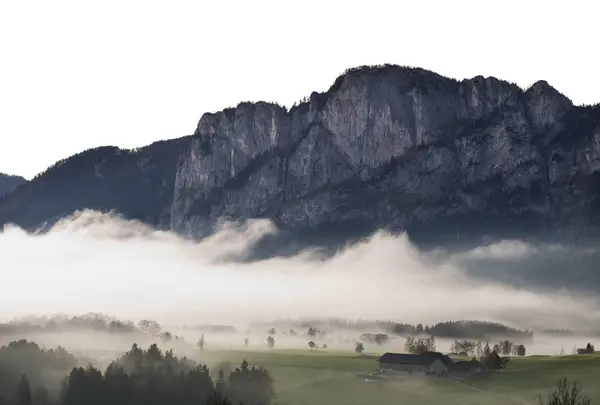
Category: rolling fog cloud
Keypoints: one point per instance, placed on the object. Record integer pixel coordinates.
(92, 262)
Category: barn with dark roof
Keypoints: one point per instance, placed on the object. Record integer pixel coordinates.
(464, 369)
(430, 363)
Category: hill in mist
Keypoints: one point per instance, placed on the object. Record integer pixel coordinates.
(385, 147)
(137, 183)
(8, 183)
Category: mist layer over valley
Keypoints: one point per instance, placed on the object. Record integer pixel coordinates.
(93, 262)
(319, 316)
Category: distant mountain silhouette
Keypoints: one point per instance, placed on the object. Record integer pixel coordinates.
(9, 183)
(136, 183)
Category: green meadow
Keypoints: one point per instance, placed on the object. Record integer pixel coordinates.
(321, 377)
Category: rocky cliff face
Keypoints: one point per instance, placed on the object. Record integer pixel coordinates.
(400, 148)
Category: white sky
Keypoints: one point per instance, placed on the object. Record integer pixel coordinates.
(79, 74)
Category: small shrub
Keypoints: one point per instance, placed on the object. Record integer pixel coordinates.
(566, 393)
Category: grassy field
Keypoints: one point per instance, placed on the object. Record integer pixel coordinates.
(323, 378)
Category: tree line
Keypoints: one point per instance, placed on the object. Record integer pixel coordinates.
(460, 329)
(44, 369)
(477, 349)
(58, 323)
(490, 358)
(92, 322)
(148, 377)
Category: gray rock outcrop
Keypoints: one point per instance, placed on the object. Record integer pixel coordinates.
(401, 148)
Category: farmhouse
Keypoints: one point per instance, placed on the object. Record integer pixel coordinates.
(464, 369)
(430, 363)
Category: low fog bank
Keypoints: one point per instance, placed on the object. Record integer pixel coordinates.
(537, 267)
(98, 338)
(100, 348)
(93, 262)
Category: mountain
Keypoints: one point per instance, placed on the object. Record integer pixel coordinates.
(401, 148)
(385, 146)
(9, 183)
(137, 183)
